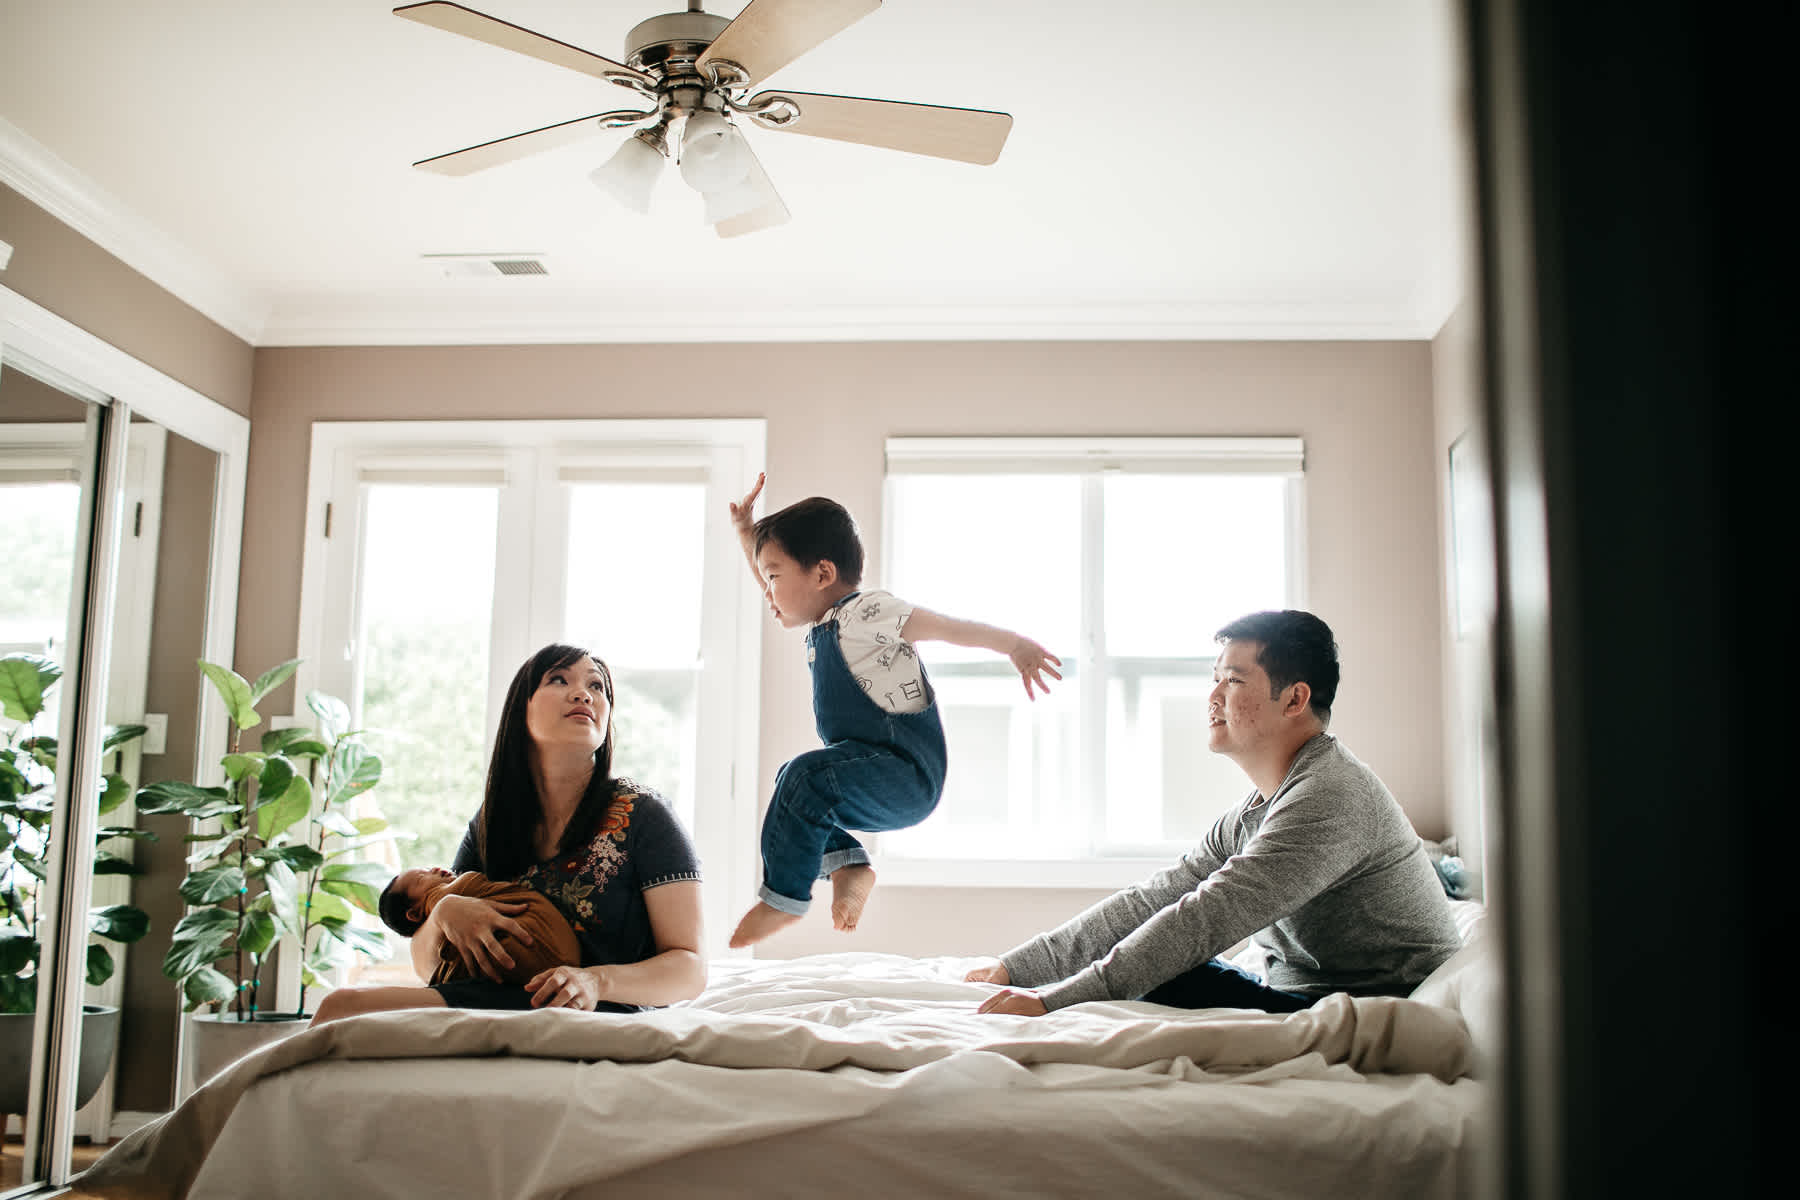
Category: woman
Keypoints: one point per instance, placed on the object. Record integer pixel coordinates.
(608, 853)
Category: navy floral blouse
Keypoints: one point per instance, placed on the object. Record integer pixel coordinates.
(600, 887)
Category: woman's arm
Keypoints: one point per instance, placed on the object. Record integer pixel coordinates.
(1031, 660)
(674, 973)
(472, 928)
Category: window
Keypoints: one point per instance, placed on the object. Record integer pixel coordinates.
(1122, 556)
(456, 549)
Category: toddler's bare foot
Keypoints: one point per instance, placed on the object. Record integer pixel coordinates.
(759, 923)
(850, 888)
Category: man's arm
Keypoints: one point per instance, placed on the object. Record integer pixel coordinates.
(1305, 844)
(1030, 659)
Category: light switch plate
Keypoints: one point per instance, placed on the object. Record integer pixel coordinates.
(156, 735)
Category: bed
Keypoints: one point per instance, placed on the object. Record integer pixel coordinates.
(862, 1072)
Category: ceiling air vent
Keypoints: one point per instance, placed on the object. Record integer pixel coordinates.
(486, 266)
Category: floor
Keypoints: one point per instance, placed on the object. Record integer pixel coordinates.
(12, 1163)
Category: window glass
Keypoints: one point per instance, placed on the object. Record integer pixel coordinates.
(635, 566)
(427, 597)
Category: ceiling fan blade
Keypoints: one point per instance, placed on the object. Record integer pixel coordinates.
(972, 135)
(508, 149)
(770, 34)
(770, 213)
(454, 18)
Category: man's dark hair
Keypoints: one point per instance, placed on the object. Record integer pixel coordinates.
(1295, 647)
(812, 531)
(393, 906)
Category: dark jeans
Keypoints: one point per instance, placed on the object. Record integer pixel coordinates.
(485, 993)
(1219, 984)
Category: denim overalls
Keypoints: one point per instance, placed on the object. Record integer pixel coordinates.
(877, 770)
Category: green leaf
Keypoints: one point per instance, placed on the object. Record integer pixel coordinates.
(232, 689)
(212, 885)
(42, 750)
(372, 942)
(17, 995)
(271, 679)
(199, 938)
(333, 714)
(207, 986)
(295, 743)
(18, 949)
(128, 832)
(116, 791)
(24, 678)
(237, 766)
(176, 796)
(354, 770)
(301, 858)
(99, 964)
(279, 812)
(259, 933)
(119, 922)
(326, 907)
(108, 863)
(118, 735)
(359, 883)
(332, 821)
(280, 885)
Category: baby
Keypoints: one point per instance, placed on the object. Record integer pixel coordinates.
(411, 895)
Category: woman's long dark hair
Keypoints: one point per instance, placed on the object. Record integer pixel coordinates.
(511, 809)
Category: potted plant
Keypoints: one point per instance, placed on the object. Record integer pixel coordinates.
(27, 791)
(274, 864)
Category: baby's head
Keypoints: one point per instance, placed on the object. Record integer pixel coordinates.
(402, 903)
(794, 542)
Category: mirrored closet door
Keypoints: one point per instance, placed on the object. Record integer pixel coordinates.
(121, 497)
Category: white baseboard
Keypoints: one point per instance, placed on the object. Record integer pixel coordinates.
(129, 1122)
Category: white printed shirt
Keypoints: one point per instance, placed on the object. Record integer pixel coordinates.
(883, 663)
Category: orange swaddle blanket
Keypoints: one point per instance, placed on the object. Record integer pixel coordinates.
(552, 941)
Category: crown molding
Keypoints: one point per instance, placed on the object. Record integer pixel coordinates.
(417, 321)
(39, 175)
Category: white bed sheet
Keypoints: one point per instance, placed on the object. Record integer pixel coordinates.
(867, 1073)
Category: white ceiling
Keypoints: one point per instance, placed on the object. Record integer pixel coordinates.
(1176, 169)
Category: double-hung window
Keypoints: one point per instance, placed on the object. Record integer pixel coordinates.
(441, 555)
(1123, 557)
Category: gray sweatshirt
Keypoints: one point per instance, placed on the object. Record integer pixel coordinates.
(1327, 874)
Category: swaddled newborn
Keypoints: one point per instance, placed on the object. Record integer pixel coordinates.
(411, 895)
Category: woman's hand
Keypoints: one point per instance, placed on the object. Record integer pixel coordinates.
(1033, 662)
(994, 972)
(472, 928)
(1014, 1002)
(568, 987)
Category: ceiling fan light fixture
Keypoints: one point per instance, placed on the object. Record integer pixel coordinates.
(714, 157)
(630, 175)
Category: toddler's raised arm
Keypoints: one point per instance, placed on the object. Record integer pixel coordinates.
(745, 525)
(1030, 659)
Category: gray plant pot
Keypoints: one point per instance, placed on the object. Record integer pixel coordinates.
(218, 1040)
(99, 1041)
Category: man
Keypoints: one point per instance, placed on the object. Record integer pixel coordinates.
(1319, 863)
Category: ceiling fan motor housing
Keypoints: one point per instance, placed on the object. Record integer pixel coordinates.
(679, 36)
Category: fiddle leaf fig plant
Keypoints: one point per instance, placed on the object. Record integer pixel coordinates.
(275, 860)
(27, 807)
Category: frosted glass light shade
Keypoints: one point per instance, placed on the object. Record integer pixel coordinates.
(630, 174)
(713, 154)
(751, 193)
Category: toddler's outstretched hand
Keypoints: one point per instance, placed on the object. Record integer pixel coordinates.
(1033, 662)
(740, 509)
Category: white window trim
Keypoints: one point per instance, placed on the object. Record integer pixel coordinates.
(1090, 457)
(725, 801)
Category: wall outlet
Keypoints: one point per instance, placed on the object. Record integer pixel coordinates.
(156, 735)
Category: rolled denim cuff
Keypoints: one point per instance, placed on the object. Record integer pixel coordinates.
(781, 903)
(854, 856)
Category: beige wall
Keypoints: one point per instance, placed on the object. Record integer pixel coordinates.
(1365, 410)
(63, 271)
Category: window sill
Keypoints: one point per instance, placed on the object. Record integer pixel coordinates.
(1108, 873)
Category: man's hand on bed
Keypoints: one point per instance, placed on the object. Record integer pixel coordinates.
(994, 972)
(1014, 1002)
(566, 987)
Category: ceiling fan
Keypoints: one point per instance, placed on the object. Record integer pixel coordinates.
(695, 69)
